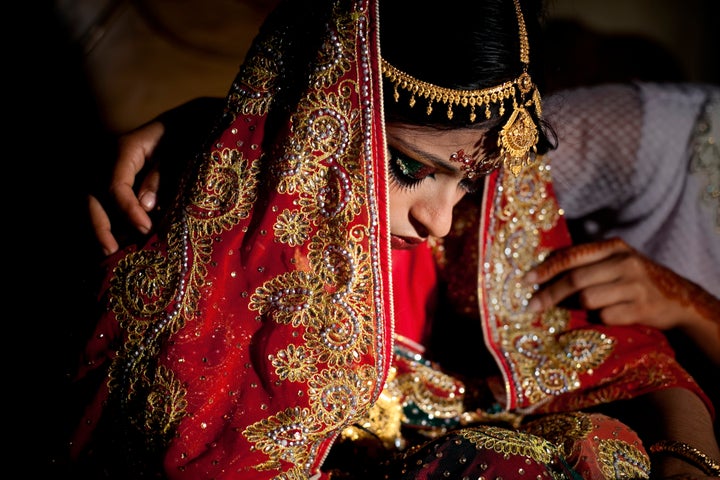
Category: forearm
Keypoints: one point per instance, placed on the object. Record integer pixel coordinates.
(680, 415)
(703, 326)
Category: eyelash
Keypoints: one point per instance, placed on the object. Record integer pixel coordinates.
(406, 172)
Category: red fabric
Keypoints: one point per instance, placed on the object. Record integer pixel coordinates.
(258, 325)
(596, 446)
(557, 360)
(414, 290)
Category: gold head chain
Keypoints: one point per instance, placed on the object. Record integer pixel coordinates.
(519, 135)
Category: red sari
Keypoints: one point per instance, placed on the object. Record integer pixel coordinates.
(259, 323)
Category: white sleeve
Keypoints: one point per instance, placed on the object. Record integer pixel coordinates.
(642, 161)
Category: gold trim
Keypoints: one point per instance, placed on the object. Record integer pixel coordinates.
(448, 96)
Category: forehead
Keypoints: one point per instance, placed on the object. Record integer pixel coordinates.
(433, 139)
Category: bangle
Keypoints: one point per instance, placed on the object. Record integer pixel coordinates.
(688, 453)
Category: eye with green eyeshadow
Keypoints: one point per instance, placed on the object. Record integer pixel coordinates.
(407, 172)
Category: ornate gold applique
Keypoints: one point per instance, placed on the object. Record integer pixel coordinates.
(291, 227)
(153, 293)
(166, 402)
(328, 300)
(294, 364)
(383, 420)
(143, 290)
(338, 396)
(223, 194)
(436, 394)
(560, 427)
(543, 361)
(255, 87)
(509, 442)
(284, 436)
(619, 459)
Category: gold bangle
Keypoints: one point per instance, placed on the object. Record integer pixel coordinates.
(688, 453)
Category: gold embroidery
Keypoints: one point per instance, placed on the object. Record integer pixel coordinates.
(619, 459)
(294, 364)
(166, 402)
(326, 225)
(328, 302)
(254, 88)
(383, 420)
(294, 298)
(337, 395)
(433, 392)
(223, 194)
(150, 300)
(562, 430)
(142, 290)
(148, 281)
(543, 360)
(321, 162)
(509, 442)
(335, 58)
(284, 436)
(291, 228)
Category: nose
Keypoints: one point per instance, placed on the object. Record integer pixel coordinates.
(434, 216)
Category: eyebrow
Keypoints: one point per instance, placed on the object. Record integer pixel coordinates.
(420, 154)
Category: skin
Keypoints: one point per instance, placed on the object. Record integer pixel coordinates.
(134, 148)
(625, 287)
(610, 277)
(425, 209)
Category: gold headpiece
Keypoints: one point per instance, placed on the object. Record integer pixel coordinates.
(519, 135)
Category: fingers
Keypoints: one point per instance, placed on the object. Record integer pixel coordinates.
(619, 283)
(592, 270)
(148, 190)
(100, 223)
(576, 256)
(134, 151)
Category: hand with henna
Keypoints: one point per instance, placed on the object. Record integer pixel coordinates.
(624, 287)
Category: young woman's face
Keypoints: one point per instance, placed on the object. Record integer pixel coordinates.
(426, 183)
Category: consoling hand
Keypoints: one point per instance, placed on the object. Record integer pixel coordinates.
(169, 140)
(625, 287)
(135, 150)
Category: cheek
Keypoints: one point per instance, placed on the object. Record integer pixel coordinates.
(401, 200)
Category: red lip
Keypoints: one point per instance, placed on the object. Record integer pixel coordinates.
(404, 243)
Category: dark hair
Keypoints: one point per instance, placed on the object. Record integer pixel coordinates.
(458, 44)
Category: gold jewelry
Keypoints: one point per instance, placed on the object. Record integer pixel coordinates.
(519, 135)
(689, 454)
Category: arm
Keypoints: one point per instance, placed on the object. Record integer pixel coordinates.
(174, 135)
(625, 287)
(672, 406)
